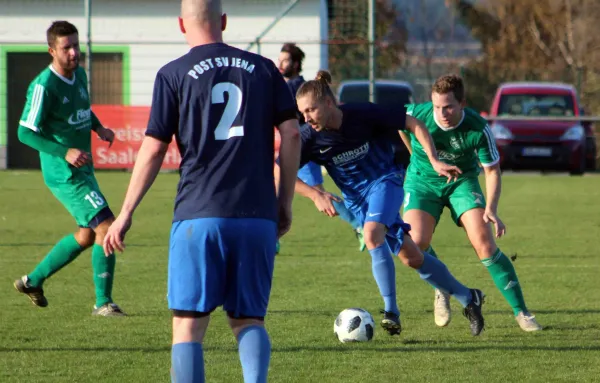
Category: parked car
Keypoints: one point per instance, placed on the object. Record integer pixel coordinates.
(387, 92)
(549, 137)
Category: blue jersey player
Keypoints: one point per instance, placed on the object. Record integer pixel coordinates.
(355, 144)
(290, 66)
(221, 104)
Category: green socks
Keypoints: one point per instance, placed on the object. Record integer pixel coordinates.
(104, 270)
(63, 253)
(505, 278)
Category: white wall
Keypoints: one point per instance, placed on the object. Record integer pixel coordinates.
(151, 30)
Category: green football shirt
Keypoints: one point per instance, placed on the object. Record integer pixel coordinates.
(470, 140)
(59, 110)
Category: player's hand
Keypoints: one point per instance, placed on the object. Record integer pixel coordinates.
(106, 134)
(285, 221)
(443, 169)
(323, 203)
(116, 234)
(77, 157)
(499, 227)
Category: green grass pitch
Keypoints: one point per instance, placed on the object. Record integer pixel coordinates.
(553, 224)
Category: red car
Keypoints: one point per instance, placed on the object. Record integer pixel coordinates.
(536, 126)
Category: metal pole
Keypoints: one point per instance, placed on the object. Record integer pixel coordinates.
(371, 38)
(281, 14)
(88, 45)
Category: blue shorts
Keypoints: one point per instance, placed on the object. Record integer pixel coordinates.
(311, 174)
(382, 204)
(222, 262)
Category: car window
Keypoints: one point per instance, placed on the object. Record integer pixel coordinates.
(386, 94)
(541, 105)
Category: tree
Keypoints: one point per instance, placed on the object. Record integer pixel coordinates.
(547, 40)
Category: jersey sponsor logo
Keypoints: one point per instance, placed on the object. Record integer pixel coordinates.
(374, 214)
(82, 116)
(444, 155)
(351, 155)
(325, 150)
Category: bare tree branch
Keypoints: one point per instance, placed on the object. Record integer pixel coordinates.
(535, 32)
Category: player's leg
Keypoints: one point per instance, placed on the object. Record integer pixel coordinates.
(103, 267)
(196, 286)
(434, 272)
(251, 259)
(467, 206)
(90, 209)
(64, 252)
(381, 213)
(422, 210)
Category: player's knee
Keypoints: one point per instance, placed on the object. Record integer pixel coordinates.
(411, 255)
(101, 230)
(373, 234)
(240, 323)
(189, 326)
(484, 248)
(85, 237)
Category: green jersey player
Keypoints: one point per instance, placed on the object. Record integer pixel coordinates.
(57, 121)
(462, 138)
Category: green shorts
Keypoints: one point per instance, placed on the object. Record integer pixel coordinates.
(432, 196)
(83, 199)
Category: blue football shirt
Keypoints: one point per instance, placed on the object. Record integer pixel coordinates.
(361, 152)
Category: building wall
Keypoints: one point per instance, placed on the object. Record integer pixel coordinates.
(149, 32)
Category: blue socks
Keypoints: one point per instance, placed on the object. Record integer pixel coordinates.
(434, 272)
(187, 363)
(254, 347)
(187, 359)
(346, 214)
(385, 275)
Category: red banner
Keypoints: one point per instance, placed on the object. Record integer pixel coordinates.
(129, 124)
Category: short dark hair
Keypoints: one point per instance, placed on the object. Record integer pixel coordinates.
(58, 29)
(450, 83)
(295, 53)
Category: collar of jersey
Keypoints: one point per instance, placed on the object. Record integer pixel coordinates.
(60, 76)
(452, 127)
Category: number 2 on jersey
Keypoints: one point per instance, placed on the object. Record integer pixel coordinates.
(225, 129)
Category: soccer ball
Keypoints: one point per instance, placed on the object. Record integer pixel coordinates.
(354, 325)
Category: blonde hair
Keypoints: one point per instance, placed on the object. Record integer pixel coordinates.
(318, 88)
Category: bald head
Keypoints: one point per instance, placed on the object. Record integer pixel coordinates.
(202, 10)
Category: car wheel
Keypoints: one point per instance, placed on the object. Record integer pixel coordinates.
(580, 168)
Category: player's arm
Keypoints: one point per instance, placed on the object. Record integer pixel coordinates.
(164, 120)
(422, 135)
(406, 139)
(289, 160)
(105, 134)
(490, 160)
(34, 116)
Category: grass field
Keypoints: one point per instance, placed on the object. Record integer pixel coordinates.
(553, 224)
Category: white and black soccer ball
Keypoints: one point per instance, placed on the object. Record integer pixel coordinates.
(354, 325)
